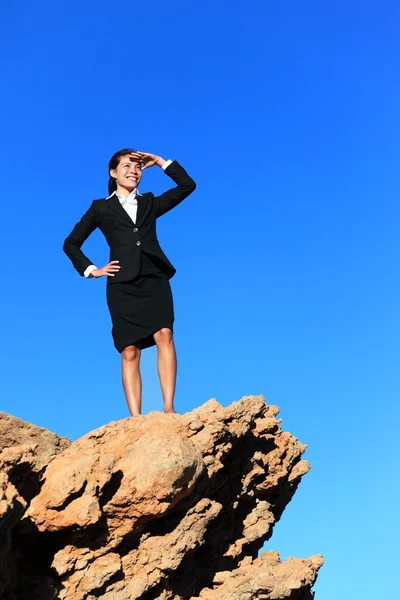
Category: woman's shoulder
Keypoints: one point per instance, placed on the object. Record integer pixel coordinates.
(99, 203)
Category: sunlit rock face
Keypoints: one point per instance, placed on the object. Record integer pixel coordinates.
(162, 506)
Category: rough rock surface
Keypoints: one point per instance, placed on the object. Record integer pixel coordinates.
(12, 508)
(25, 452)
(168, 507)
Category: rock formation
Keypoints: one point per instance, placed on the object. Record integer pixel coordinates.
(25, 452)
(156, 507)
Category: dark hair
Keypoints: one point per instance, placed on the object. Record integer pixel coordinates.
(113, 164)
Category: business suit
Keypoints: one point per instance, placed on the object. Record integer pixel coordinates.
(133, 244)
(128, 240)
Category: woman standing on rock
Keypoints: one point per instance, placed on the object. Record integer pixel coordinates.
(139, 295)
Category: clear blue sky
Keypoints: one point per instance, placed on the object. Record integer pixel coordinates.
(287, 255)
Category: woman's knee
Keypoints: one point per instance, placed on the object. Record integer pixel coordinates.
(164, 335)
(130, 353)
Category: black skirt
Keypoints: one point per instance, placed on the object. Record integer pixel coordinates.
(140, 307)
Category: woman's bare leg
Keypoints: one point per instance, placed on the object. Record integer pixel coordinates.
(167, 366)
(131, 379)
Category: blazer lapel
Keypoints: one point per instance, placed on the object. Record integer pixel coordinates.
(143, 208)
(117, 207)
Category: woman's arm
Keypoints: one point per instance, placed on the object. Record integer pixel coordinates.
(81, 231)
(185, 184)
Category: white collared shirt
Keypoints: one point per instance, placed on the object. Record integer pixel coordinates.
(130, 205)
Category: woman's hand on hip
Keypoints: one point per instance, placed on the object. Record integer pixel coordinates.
(108, 270)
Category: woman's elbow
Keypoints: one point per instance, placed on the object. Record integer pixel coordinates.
(67, 245)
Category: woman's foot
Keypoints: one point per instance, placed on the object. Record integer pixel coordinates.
(170, 409)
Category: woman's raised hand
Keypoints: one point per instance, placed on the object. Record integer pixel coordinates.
(149, 160)
(108, 270)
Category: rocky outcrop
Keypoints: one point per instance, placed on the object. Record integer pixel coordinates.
(12, 508)
(25, 453)
(265, 577)
(161, 506)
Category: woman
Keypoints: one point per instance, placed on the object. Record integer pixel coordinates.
(139, 295)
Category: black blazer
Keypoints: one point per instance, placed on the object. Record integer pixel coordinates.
(125, 238)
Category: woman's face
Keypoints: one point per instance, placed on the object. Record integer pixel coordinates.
(128, 172)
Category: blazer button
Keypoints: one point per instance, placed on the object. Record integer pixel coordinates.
(136, 230)
(138, 243)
